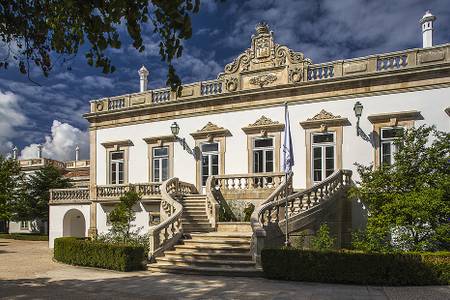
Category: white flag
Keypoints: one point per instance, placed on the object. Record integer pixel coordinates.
(288, 150)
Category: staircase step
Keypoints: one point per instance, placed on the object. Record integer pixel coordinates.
(208, 248)
(223, 235)
(228, 242)
(226, 264)
(217, 271)
(206, 256)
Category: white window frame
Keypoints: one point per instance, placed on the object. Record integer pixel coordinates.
(160, 159)
(209, 154)
(24, 225)
(115, 178)
(264, 151)
(323, 147)
(391, 142)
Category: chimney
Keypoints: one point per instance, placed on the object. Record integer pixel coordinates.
(14, 153)
(427, 29)
(77, 153)
(39, 152)
(143, 73)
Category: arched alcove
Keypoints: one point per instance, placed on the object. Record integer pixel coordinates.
(74, 223)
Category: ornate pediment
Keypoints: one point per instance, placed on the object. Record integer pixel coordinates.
(210, 130)
(263, 125)
(264, 53)
(323, 115)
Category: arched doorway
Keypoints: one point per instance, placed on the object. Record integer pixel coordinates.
(74, 223)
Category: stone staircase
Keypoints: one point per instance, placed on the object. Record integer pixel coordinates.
(203, 250)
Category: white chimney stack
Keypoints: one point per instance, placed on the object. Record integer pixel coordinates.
(39, 152)
(143, 73)
(14, 153)
(77, 153)
(427, 29)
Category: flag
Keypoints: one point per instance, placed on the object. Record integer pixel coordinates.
(288, 150)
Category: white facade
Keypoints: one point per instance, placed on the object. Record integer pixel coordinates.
(68, 220)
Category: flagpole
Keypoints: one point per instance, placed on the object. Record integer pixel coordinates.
(286, 242)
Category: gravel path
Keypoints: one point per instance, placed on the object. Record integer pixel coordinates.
(28, 272)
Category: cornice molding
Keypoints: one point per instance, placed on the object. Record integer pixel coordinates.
(160, 139)
(121, 143)
(323, 120)
(263, 125)
(394, 117)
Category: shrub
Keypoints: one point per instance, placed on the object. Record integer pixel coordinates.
(24, 236)
(357, 267)
(83, 252)
(322, 240)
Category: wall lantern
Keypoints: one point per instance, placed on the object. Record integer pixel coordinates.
(358, 108)
(175, 129)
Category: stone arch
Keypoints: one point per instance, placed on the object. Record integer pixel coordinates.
(74, 223)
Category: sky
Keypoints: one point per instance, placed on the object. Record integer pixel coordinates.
(324, 30)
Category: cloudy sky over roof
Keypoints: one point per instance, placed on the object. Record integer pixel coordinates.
(325, 30)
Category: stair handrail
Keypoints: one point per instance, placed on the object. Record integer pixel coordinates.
(167, 233)
(259, 233)
(212, 203)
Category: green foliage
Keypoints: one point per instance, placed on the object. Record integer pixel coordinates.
(121, 218)
(322, 241)
(408, 202)
(82, 252)
(33, 204)
(62, 27)
(24, 236)
(225, 212)
(356, 267)
(248, 212)
(11, 186)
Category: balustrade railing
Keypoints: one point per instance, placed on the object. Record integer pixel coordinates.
(212, 87)
(72, 195)
(245, 182)
(116, 103)
(273, 210)
(169, 231)
(115, 191)
(393, 62)
(162, 95)
(322, 71)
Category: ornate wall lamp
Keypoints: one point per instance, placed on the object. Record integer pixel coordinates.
(358, 108)
(175, 128)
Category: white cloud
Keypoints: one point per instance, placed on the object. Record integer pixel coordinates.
(99, 82)
(61, 144)
(11, 116)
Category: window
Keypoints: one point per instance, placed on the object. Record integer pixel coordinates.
(387, 143)
(23, 225)
(210, 160)
(160, 163)
(117, 167)
(263, 155)
(323, 156)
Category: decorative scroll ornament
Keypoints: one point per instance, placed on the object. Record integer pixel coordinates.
(232, 84)
(263, 80)
(324, 115)
(263, 121)
(210, 127)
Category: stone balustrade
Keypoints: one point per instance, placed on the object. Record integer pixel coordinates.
(72, 195)
(363, 66)
(167, 233)
(39, 163)
(75, 164)
(115, 191)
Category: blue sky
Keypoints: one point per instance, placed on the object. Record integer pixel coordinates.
(325, 30)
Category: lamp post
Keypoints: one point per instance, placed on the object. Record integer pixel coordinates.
(175, 129)
(358, 108)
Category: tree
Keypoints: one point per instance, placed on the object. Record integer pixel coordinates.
(11, 184)
(322, 240)
(33, 204)
(35, 31)
(408, 201)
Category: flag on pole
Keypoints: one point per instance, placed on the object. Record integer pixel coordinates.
(288, 150)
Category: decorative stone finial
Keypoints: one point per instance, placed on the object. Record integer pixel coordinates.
(262, 28)
(77, 153)
(143, 79)
(14, 153)
(39, 152)
(426, 23)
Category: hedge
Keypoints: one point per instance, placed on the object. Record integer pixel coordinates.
(24, 236)
(84, 252)
(356, 267)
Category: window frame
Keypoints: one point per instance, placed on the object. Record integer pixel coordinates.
(160, 159)
(323, 146)
(391, 142)
(264, 153)
(210, 165)
(115, 178)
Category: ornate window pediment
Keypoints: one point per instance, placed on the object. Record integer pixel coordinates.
(263, 125)
(210, 130)
(324, 119)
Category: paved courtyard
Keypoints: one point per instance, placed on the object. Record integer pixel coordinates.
(28, 272)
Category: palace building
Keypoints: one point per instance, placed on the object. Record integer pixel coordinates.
(202, 156)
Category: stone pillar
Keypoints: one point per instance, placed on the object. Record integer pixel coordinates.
(39, 152)
(14, 153)
(143, 80)
(426, 22)
(77, 153)
(92, 232)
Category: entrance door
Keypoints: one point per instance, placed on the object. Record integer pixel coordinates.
(210, 160)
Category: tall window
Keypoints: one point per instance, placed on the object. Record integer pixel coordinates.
(262, 155)
(160, 163)
(23, 225)
(117, 167)
(210, 160)
(387, 143)
(323, 155)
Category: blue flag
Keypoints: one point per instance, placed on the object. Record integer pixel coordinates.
(288, 150)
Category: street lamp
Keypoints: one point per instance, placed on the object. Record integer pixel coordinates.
(175, 129)
(358, 108)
